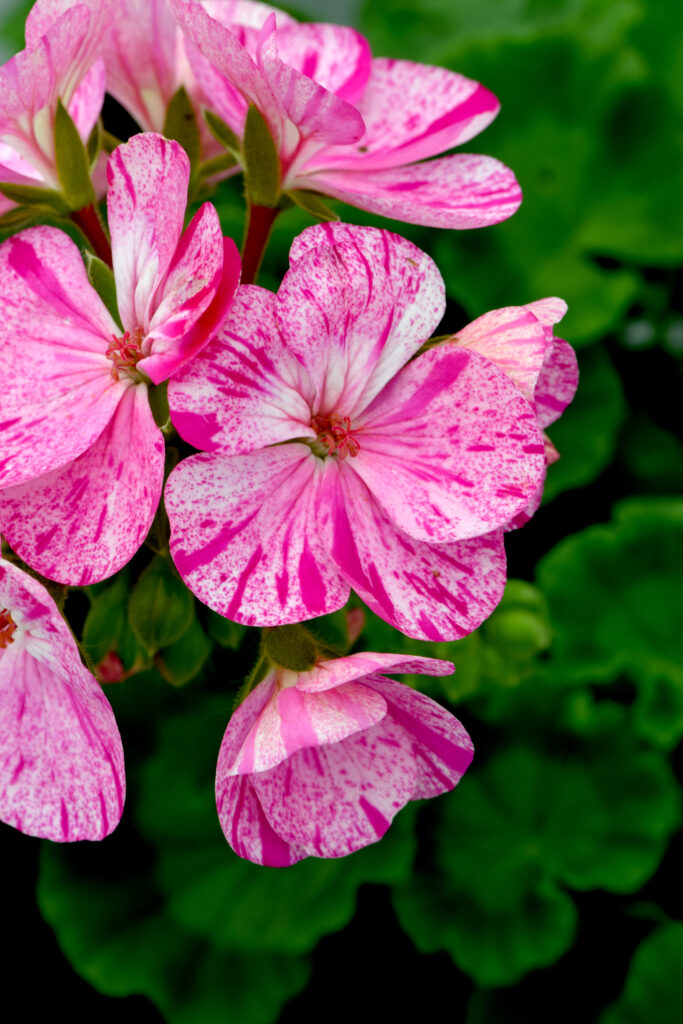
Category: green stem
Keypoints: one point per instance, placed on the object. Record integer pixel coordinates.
(260, 220)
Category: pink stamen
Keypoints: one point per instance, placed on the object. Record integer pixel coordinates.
(125, 352)
(7, 629)
(337, 434)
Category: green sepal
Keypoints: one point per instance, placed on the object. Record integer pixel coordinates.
(73, 165)
(30, 196)
(110, 142)
(160, 607)
(101, 277)
(217, 164)
(94, 146)
(184, 659)
(261, 162)
(291, 647)
(158, 403)
(17, 219)
(313, 204)
(181, 124)
(224, 631)
(222, 133)
(106, 620)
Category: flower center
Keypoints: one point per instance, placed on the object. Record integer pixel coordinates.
(7, 628)
(335, 436)
(125, 353)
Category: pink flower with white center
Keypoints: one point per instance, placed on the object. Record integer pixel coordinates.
(61, 61)
(333, 461)
(82, 460)
(318, 763)
(520, 340)
(348, 125)
(61, 759)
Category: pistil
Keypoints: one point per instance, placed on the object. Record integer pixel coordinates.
(335, 436)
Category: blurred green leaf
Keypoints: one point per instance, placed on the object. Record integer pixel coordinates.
(613, 593)
(653, 986)
(181, 124)
(598, 813)
(653, 456)
(160, 607)
(226, 632)
(184, 659)
(106, 619)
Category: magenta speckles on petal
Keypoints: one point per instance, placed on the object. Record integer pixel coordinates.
(307, 770)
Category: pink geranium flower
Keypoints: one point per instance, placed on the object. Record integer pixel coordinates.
(348, 125)
(61, 61)
(317, 764)
(82, 461)
(333, 461)
(61, 760)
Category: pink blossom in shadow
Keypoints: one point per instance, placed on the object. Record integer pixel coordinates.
(318, 763)
(61, 759)
(334, 459)
(348, 125)
(61, 61)
(520, 340)
(82, 460)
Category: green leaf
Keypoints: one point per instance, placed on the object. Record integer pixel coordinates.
(73, 165)
(313, 204)
(101, 277)
(261, 161)
(224, 631)
(595, 813)
(33, 197)
(222, 133)
(183, 660)
(653, 985)
(181, 124)
(586, 434)
(613, 593)
(160, 607)
(106, 619)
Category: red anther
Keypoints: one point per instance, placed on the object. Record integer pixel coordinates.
(337, 434)
(7, 629)
(124, 352)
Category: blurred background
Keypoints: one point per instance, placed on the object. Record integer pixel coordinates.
(547, 887)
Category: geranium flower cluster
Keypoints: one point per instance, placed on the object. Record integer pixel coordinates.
(338, 447)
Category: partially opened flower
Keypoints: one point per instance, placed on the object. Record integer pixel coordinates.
(332, 461)
(348, 125)
(318, 763)
(61, 61)
(82, 460)
(61, 760)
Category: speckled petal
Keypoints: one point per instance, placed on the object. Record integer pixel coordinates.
(428, 591)
(327, 674)
(243, 535)
(61, 760)
(557, 383)
(246, 389)
(335, 56)
(512, 338)
(450, 447)
(83, 522)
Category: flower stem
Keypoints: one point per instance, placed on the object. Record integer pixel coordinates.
(90, 224)
(260, 220)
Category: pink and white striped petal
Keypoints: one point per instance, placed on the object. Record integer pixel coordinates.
(428, 591)
(86, 103)
(295, 719)
(460, 191)
(335, 56)
(557, 383)
(148, 179)
(449, 448)
(83, 522)
(327, 674)
(442, 749)
(355, 311)
(514, 339)
(412, 112)
(244, 539)
(355, 787)
(61, 761)
(246, 389)
(55, 323)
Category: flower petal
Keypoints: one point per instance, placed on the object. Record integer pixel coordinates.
(512, 338)
(84, 521)
(428, 591)
(442, 748)
(61, 760)
(333, 800)
(327, 674)
(557, 383)
(334, 56)
(86, 103)
(450, 448)
(246, 389)
(148, 179)
(461, 191)
(355, 311)
(58, 393)
(243, 535)
(411, 112)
